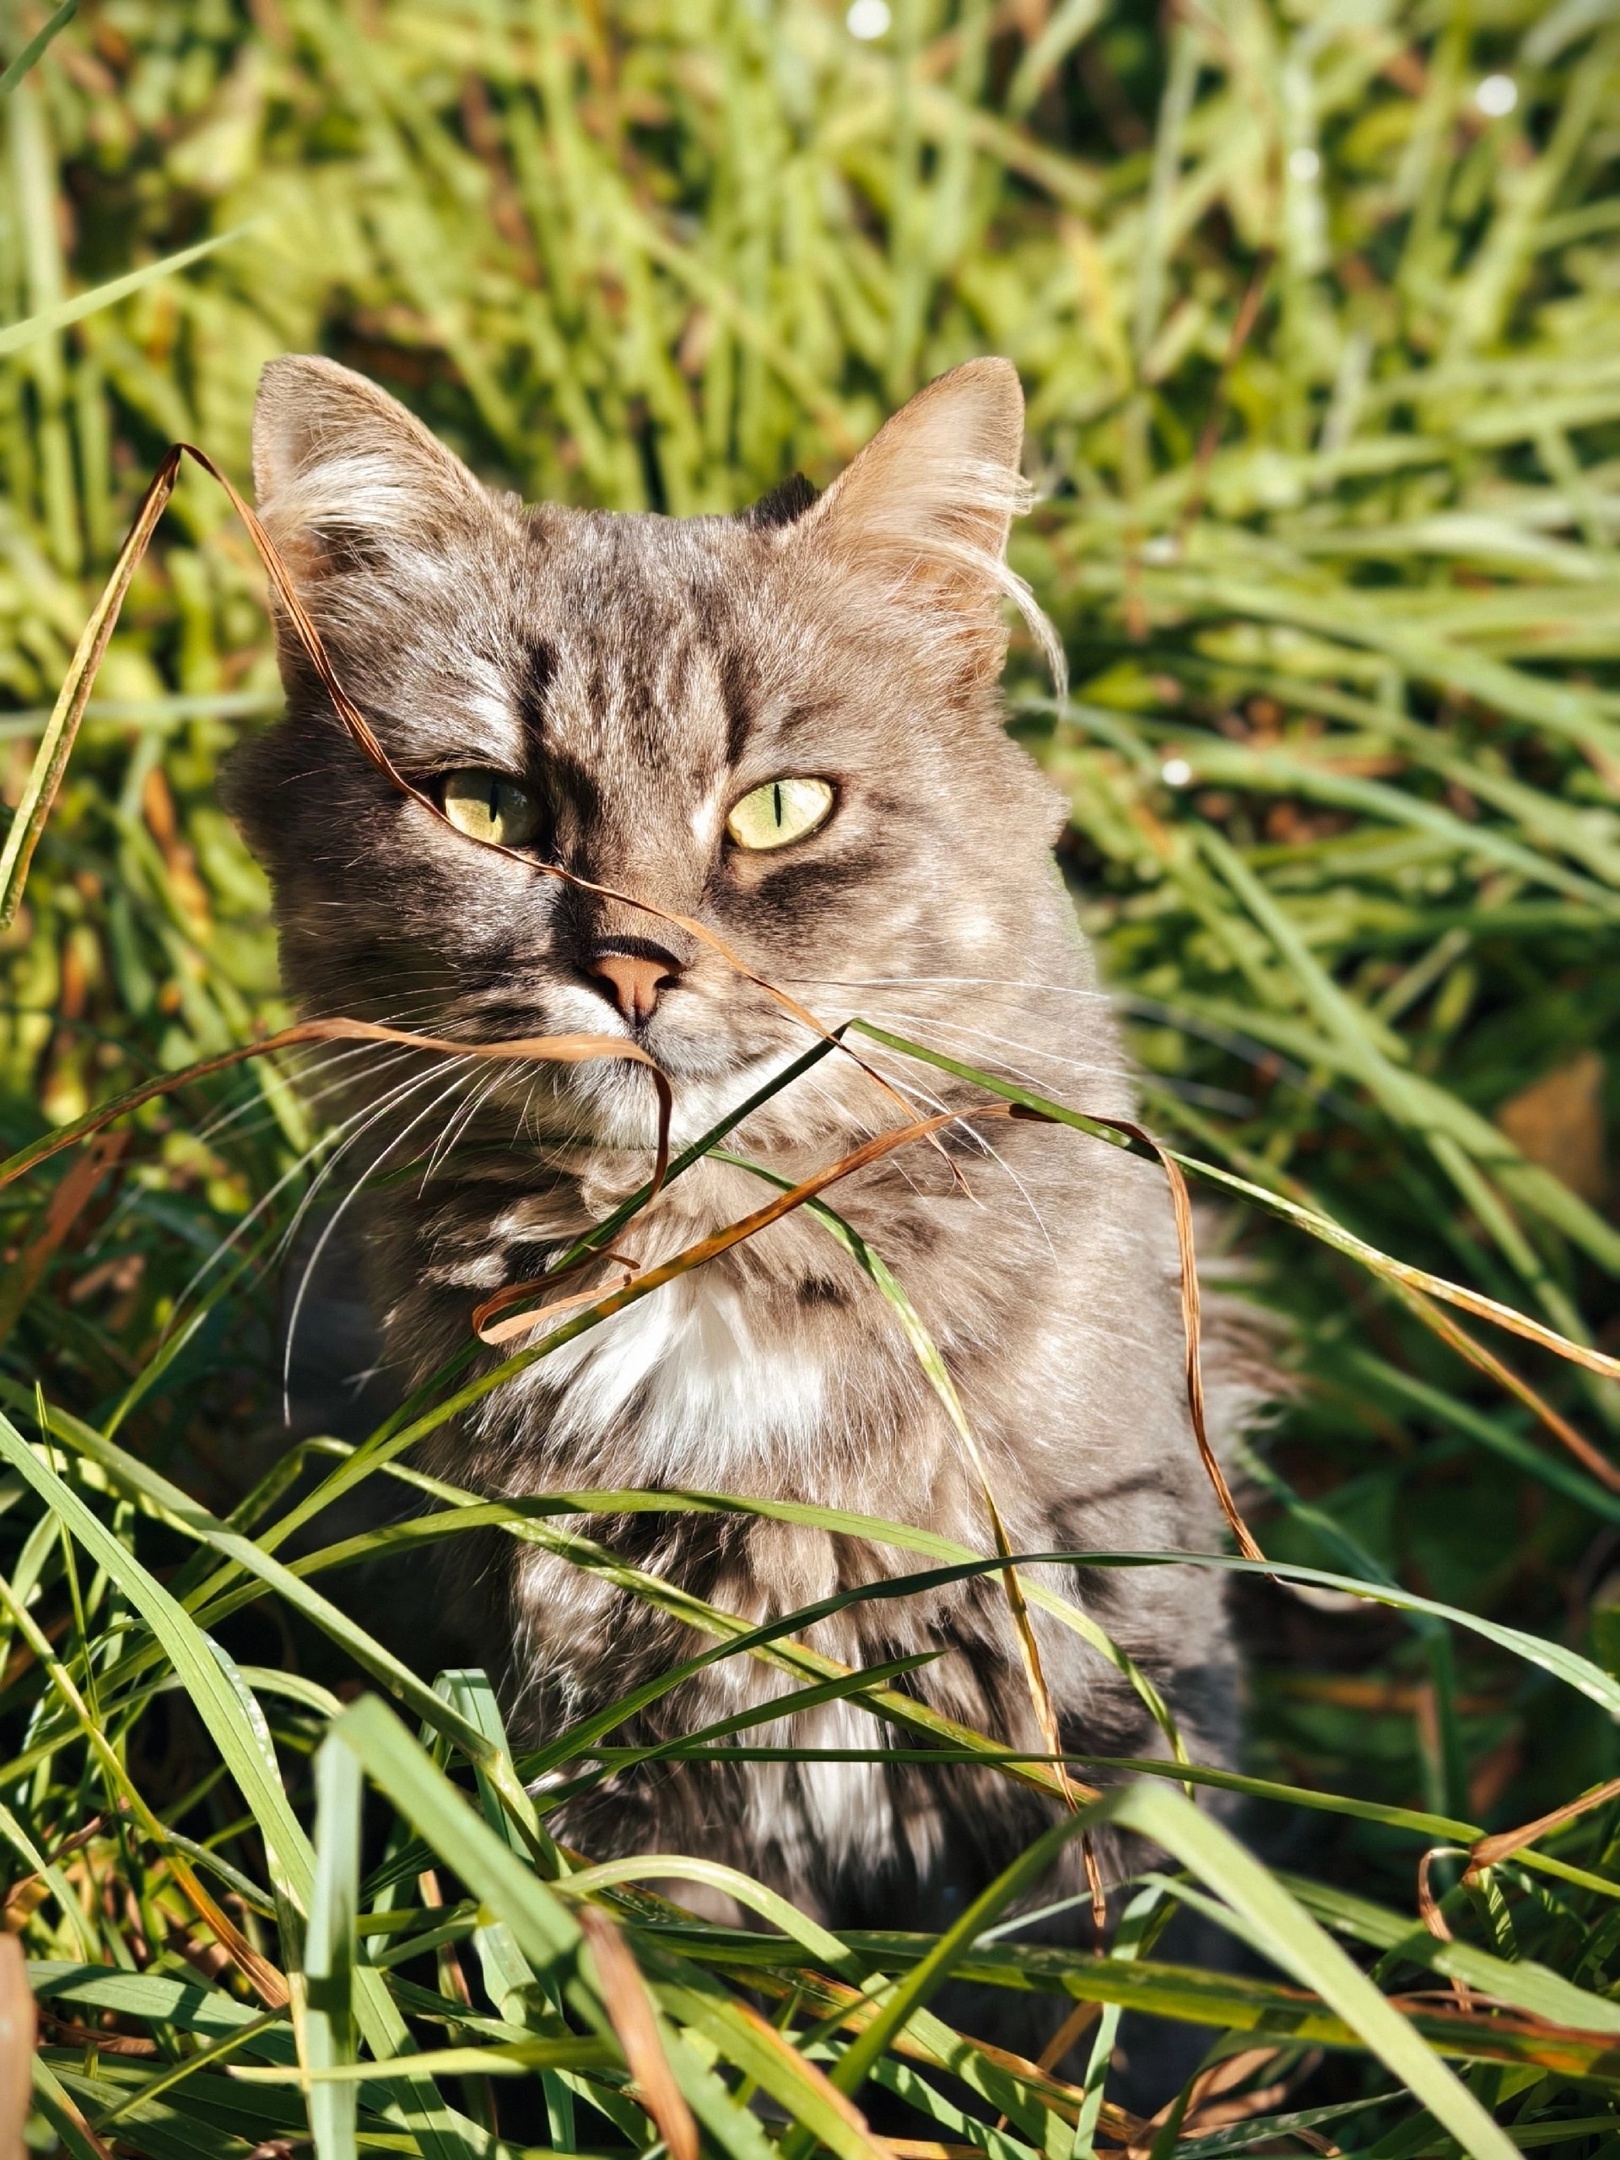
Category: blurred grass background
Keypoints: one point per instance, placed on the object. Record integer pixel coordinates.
(1317, 307)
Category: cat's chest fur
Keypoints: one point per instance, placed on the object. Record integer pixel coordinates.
(691, 1382)
(750, 1368)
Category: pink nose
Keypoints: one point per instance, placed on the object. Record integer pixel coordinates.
(636, 982)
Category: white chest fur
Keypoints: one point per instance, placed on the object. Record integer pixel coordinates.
(682, 1379)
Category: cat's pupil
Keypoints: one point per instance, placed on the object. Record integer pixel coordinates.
(776, 801)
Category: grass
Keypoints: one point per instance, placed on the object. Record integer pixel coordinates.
(1320, 349)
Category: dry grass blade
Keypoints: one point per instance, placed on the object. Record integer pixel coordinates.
(931, 2149)
(1403, 1272)
(67, 1203)
(1490, 1850)
(635, 2024)
(1040, 1693)
(89, 2141)
(514, 1294)
(1077, 2020)
(1486, 1361)
(854, 2011)
(17, 2029)
(1206, 2108)
(96, 2036)
(1434, 1919)
(1191, 1330)
(719, 1241)
(555, 1049)
(61, 731)
(269, 1984)
(1034, 1673)
(1191, 1325)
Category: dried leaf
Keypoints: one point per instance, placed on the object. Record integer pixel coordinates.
(1557, 1121)
(635, 2022)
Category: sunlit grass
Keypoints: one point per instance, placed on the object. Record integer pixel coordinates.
(1318, 327)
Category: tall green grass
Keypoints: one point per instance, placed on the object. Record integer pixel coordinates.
(1320, 345)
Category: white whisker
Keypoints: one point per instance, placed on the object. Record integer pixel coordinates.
(323, 1139)
(337, 1216)
(455, 1130)
(371, 1113)
(918, 1023)
(972, 1133)
(950, 982)
(846, 1116)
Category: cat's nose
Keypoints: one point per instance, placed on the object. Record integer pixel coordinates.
(635, 978)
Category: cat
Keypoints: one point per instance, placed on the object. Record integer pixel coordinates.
(784, 726)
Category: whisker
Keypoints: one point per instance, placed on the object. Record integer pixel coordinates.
(982, 1142)
(330, 1227)
(398, 1013)
(981, 982)
(323, 1139)
(256, 1106)
(528, 1101)
(372, 1113)
(918, 1022)
(454, 1131)
(844, 1115)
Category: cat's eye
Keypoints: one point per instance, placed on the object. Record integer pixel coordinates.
(487, 806)
(779, 812)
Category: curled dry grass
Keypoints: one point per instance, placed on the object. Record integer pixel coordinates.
(1323, 406)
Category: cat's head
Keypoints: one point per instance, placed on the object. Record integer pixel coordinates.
(784, 726)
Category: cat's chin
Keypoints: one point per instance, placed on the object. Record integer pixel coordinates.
(708, 1086)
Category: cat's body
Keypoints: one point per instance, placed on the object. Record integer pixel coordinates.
(637, 678)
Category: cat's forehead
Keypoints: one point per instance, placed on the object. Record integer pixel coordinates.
(646, 637)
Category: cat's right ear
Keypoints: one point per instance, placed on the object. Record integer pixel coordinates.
(345, 478)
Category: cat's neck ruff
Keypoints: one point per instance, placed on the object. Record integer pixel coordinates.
(711, 1400)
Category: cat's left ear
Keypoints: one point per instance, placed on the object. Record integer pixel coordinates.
(921, 517)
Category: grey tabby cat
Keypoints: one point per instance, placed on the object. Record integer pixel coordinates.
(784, 725)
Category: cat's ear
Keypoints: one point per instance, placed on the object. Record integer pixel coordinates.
(345, 478)
(922, 514)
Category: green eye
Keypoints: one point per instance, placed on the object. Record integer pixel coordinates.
(779, 812)
(487, 806)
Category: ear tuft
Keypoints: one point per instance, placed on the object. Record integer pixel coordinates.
(926, 507)
(785, 504)
(344, 476)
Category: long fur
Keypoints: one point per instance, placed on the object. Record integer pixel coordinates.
(639, 675)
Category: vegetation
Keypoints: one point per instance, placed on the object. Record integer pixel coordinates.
(1318, 309)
